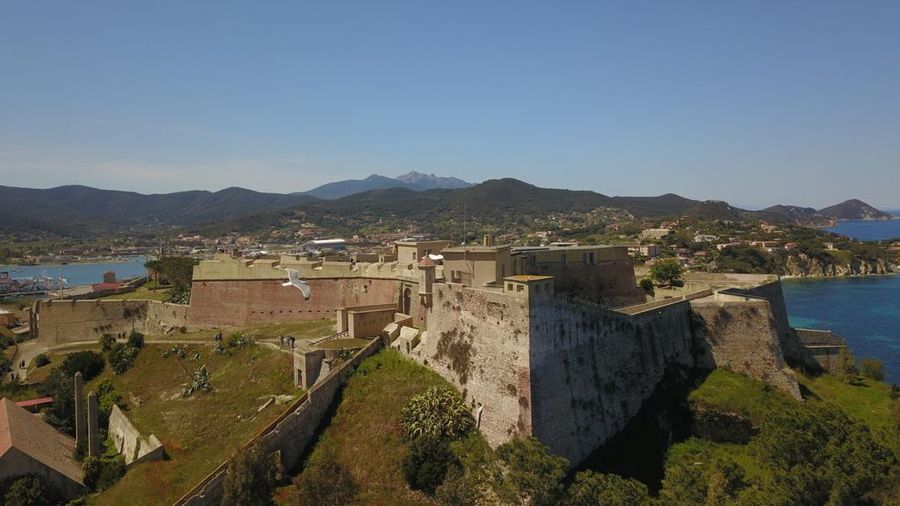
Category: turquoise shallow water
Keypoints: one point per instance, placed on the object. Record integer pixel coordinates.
(866, 311)
(868, 230)
(80, 274)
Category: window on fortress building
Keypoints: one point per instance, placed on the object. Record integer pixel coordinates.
(520, 288)
(414, 255)
(562, 259)
(509, 287)
(592, 257)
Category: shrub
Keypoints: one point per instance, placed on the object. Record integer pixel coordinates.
(250, 480)
(439, 412)
(107, 341)
(199, 382)
(872, 368)
(533, 474)
(5, 364)
(30, 490)
(122, 357)
(325, 482)
(239, 341)
(590, 488)
(89, 363)
(646, 284)
(425, 466)
(102, 473)
(136, 340)
(41, 360)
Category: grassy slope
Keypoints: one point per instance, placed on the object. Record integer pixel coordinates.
(200, 432)
(310, 329)
(365, 431)
(142, 293)
(867, 402)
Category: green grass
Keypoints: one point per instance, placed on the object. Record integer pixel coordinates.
(365, 433)
(867, 401)
(728, 391)
(198, 433)
(309, 329)
(142, 293)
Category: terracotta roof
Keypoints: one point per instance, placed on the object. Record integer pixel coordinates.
(426, 261)
(32, 436)
(35, 402)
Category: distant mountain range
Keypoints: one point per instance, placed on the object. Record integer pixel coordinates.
(81, 210)
(415, 181)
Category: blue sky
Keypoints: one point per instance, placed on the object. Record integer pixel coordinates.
(752, 102)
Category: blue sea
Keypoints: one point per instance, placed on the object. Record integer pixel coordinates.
(868, 230)
(80, 274)
(866, 311)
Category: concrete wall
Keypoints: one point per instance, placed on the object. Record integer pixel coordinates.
(369, 322)
(62, 321)
(591, 368)
(742, 335)
(291, 434)
(478, 340)
(129, 442)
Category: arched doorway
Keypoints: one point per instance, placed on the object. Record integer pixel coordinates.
(406, 300)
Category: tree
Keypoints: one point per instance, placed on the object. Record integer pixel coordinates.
(89, 363)
(533, 475)
(325, 482)
(438, 412)
(666, 272)
(250, 480)
(41, 360)
(726, 480)
(872, 368)
(426, 464)
(31, 490)
(590, 489)
(136, 339)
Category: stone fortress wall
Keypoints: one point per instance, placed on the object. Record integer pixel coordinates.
(64, 321)
(228, 292)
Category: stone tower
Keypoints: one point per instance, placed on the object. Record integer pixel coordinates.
(93, 431)
(80, 419)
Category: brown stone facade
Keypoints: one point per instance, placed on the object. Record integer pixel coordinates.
(241, 302)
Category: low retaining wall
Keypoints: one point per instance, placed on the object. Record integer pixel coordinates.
(129, 442)
(291, 434)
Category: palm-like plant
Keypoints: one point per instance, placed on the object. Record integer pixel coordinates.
(439, 412)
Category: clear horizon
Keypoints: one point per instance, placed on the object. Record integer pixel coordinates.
(755, 104)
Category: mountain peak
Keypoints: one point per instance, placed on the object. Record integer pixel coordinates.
(854, 209)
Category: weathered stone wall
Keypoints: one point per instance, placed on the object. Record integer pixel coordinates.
(478, 340)
(128, 440)
(791, 348)
(240, 302)
(592, 368)
(63, 321)
(824, 346)
(743, 337)
(291, 434)
(609, 282)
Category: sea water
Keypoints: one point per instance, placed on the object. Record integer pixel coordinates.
(868, 230)
(77, 274)
(865, 310)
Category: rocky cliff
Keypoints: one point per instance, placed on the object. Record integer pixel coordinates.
(804, 265)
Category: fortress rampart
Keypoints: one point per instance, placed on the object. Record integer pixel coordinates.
(64, 321)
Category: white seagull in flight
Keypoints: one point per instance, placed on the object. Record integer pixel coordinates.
(294, 280)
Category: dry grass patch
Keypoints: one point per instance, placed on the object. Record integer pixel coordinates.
(201, 432)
